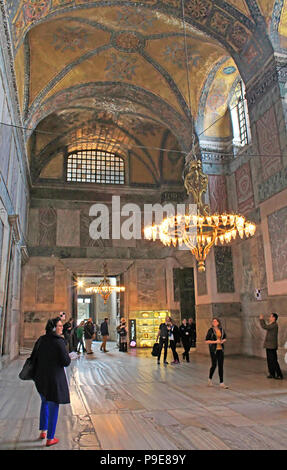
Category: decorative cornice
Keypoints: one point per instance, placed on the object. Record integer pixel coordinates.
(265, 81)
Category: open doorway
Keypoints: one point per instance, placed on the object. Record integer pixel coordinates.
(183, 279)
(93, 306)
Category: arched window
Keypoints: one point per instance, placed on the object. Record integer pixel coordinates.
(239, 116)
(95, 166)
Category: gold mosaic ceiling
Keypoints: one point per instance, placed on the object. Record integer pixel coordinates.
(134, 69)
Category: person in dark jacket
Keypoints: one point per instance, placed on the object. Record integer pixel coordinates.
(50, 356)
(105, 334)
(162, 336)
(174, 338)
(192, 327)
(67, 332)
(185, 335)
(123, 333)
(215, 338)
(271, 346)
(89, 331)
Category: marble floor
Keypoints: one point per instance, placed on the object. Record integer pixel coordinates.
(126, 401)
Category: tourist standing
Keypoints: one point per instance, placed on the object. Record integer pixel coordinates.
(185, 333)
(215, 338)
(67, 332)
(192, 328)
(271, 346)
(89, 331)
(105, 334)
(123, 333)
(162, 336)
(50, 357)
(174, 338)
(80, 337)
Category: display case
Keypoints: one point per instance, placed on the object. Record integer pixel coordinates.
(147, 325)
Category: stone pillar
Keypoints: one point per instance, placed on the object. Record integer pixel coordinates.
(217, 295)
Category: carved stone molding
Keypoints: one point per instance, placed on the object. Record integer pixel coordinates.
(276, 72)
(14, 224)
(24, 254)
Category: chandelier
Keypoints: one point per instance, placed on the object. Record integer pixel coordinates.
(104, 288)
(201, 230)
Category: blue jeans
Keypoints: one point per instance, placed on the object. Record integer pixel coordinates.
(48, 417)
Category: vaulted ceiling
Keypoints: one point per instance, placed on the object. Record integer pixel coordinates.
(134, 74)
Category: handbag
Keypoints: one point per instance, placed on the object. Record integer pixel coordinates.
(28, 369)
(27, 372)
(155, 349)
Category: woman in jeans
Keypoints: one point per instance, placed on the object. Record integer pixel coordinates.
(50, 357)
(216, 338)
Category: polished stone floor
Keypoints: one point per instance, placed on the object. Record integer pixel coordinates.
(126, 401)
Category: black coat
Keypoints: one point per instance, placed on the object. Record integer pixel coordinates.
(104, 329)
(185, 333)
(50, 360)
(211, 336)
(175, 333)
(89, 330)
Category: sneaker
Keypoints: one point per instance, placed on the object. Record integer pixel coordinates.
(43, 435)
(222, 385)
(51, 442)
(270, 377)
(165, 362)
(279, 377)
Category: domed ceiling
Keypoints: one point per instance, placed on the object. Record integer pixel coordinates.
(132, 75)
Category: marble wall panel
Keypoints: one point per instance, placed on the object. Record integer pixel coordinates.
(230, 317)
(45, 284)
(201, 283)
(147, 285)
(277, 226)
(244, 188)
(217, 193)
(268, 143)
(85, 239)
(47, 226)
(224, 269)
(33, 227)
(68, 227)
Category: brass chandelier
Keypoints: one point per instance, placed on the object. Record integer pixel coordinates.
(104, 288)
(201, 230)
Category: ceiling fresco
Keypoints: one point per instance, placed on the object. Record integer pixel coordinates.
(134, 74)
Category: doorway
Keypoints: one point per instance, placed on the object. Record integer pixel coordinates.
(93, 306)
(183, 279)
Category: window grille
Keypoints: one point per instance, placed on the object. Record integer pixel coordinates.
(241, 115)
(95, 166)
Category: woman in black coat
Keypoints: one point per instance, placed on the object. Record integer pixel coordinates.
(215, 338)
(50, 356)
(174, 338)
